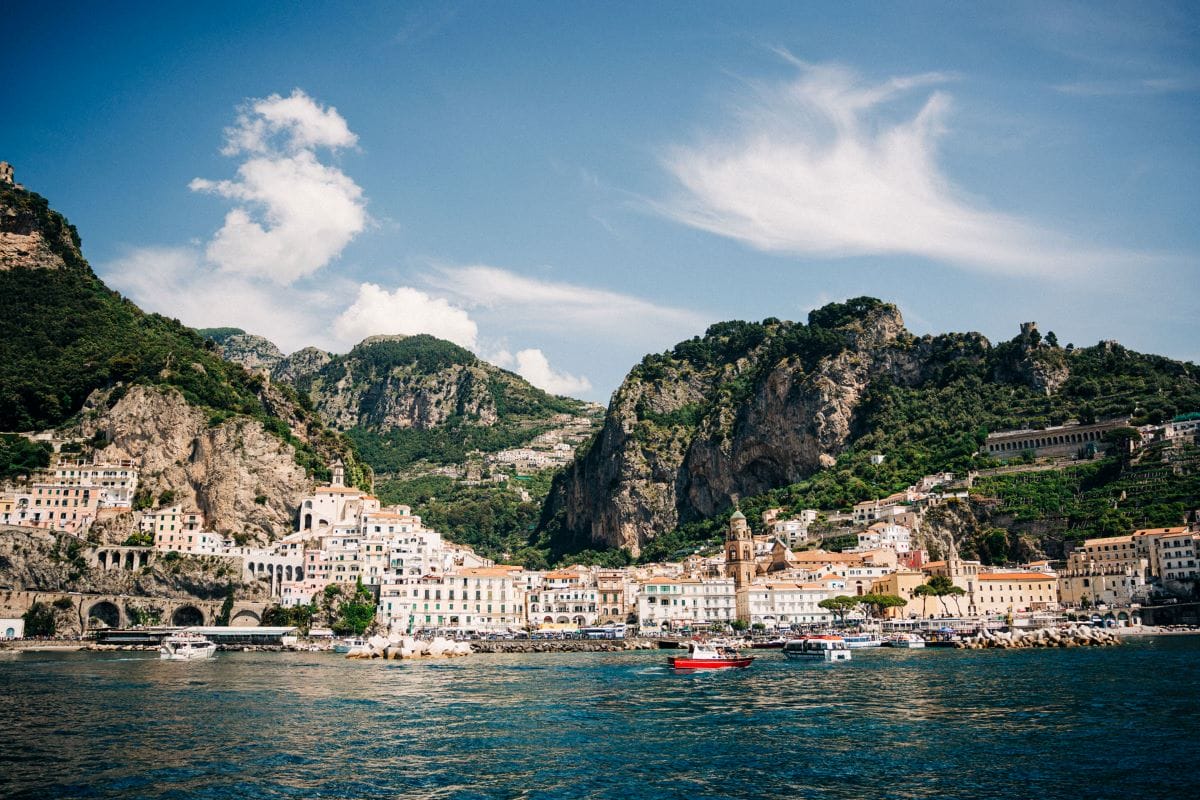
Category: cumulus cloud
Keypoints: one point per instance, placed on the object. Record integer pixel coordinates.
(295, 214)
(533, 366)
(562, 308)
(820, 166)
(176, 282)
(403, 311)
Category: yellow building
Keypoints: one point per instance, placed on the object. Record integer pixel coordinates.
(1007, 592)
(902, 583)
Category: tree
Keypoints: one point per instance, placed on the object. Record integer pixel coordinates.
(840, 605)
(924, 591)
(877, 604)
(39, 620)
(941, 587)
(226, 608)
(739, 625)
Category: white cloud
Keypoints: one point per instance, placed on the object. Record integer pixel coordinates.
(292, 123)
(403, 311)
(533, 366)
(520, 302)
(176, 282)
(818, 167)
(296, 214)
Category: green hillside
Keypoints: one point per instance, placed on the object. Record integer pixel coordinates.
(66, 335)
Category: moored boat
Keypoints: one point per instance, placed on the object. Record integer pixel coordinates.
(704, 655)
(859, 640)
(910, 641)
(185, 647)
(825, 647)
(352, 646)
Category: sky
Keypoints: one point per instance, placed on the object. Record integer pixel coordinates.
(565, 187)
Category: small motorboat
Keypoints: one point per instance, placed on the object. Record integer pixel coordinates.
(704, 655)
(354, 646)
(856, 641)
(910, 641)
(825, 648)
(186, 647)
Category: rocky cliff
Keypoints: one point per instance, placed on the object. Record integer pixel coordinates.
(756, 407)
(76, 355)
(245, 480)
(397, 395)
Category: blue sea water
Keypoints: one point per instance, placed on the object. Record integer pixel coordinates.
(1079, 723)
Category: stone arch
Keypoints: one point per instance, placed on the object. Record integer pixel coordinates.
(129, 555)
(580, 621)
(288, 572)
(102, 559)
(307, 522)
(564, 620)
(107, 613)
(185, 616)
(246, 618)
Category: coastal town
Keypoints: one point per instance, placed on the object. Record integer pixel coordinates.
(777, 580)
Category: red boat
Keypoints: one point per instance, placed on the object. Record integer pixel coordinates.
(702, 655)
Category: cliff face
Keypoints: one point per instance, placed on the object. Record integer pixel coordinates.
(408, 398)
(741, 411)
(244, 479)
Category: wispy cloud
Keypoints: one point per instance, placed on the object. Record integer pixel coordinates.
(561, 308)
(825, 166)
(295, 214)
(1131, 87)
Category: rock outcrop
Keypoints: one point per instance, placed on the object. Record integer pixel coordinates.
(245, 479)
(744, 410)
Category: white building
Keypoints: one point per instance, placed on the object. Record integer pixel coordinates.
(673, 603)
(476, 600)
(885, 536)
(782, 604)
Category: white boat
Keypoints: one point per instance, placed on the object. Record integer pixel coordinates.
(354, 646)
(859, 640)
(910, 641)
(826, 648)
(186, 647)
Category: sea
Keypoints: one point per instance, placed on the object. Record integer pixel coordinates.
(1119, 722)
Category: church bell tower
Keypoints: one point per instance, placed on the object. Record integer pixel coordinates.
(739, 562)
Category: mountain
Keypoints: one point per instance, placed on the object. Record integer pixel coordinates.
(405, 400)
(791, 413)
(78, 356)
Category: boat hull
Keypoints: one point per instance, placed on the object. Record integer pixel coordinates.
(710, 663)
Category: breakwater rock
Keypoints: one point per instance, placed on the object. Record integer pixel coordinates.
(561, 645)
(1076, 636)
(395, 648)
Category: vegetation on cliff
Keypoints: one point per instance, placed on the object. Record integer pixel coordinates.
(925, 404)
(68, 335)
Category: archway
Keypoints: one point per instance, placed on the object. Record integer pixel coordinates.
(185, 616)
(106, 614)
(307, 522)
(246, 618)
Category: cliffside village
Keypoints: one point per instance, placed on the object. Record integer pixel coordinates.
(344, 535)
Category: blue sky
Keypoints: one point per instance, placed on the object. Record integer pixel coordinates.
(565, 187)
